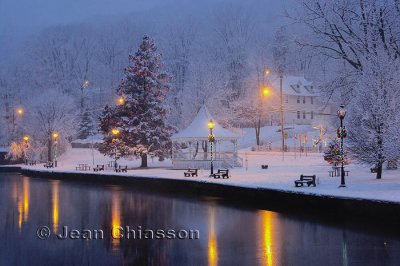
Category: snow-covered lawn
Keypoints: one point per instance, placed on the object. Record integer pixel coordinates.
(280, 175)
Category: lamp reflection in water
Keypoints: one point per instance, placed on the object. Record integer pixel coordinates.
(267, 229)
(115, 218)
(55, 206)
(212, 239)
(22, 201)
(25, 187)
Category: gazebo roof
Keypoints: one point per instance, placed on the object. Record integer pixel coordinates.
(198, 129)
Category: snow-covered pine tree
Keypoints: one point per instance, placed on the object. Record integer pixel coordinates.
(86, 125)
(109, 120)
(141, 118)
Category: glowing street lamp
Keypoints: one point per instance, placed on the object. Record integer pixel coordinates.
(115, 140)
(211, 139)
(266, 91)
(267, 72)
(115, 132)
(342, 134)
(26, 139)
(121, 101)
(20, 111)
(55, 136)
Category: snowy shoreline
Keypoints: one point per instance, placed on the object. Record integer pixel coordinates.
(259, 197)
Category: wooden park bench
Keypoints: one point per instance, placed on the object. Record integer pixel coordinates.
(190, 172)
(99, 167)
(49, 165)
(82, 167)
(222, 173)
(305, 179)
(121, 168)
(264, 166)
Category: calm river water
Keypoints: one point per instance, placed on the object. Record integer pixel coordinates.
(227, 235)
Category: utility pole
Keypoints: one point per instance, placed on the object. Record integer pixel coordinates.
(281, 113)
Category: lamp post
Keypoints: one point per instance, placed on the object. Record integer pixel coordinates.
(342, 134)
(55, 136)
(20, 112)
(26, 139)
(281, 113)
(115, 133)
(85, 84)
(211, 139)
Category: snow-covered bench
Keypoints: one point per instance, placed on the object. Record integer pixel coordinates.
(82, 167)
(224, 173)
(99, 167)
(49, 165)
(305, 179)
(121, 168)
(190, 172)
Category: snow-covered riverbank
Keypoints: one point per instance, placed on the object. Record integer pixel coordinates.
(361, 184)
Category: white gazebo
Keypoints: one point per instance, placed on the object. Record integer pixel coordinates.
(191, 149)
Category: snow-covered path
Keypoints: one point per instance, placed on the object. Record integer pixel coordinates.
(280, 175)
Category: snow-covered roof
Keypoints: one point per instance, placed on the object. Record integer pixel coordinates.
(198, 129)
(295, 85)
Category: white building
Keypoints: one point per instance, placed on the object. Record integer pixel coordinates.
(301, 104)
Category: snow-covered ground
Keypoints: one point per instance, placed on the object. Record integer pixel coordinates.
(273, 135)
(280, 175)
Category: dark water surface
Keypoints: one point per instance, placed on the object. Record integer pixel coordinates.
(228, 235)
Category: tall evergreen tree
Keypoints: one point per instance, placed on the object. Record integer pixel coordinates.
(85, 126)
(141, 117)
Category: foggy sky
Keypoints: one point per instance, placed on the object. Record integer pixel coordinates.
(25, 16)
(21, 17)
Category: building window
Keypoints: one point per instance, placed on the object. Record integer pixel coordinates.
(312, 100)
(287, 99)
(312, 114)
(304, 100)
(298, 99)
(304, 114)
(298, 114)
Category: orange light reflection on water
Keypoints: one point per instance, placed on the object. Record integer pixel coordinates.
(212, 239)
(55, 203)
(267, 229)
(115, 218)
